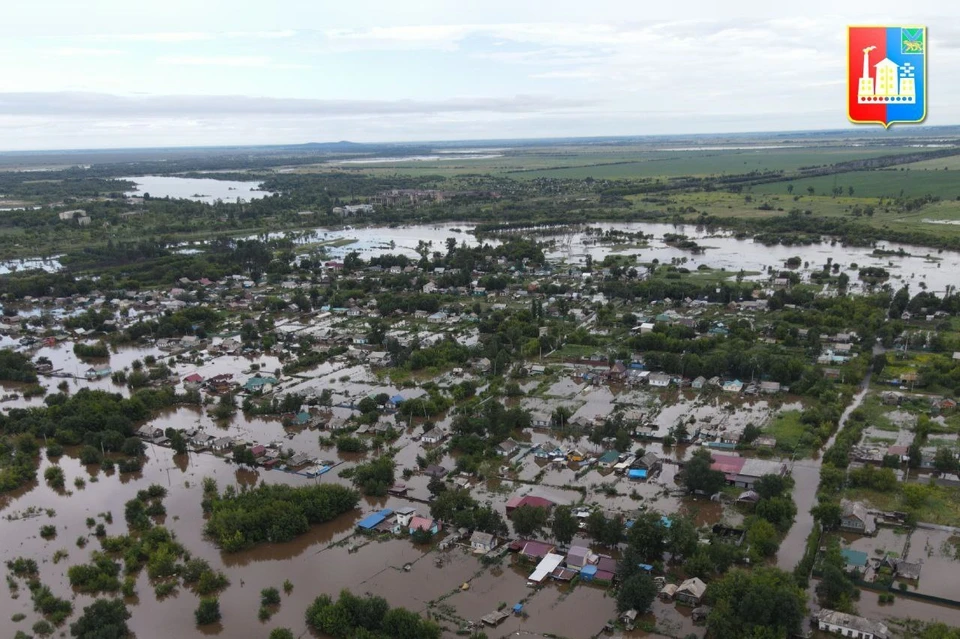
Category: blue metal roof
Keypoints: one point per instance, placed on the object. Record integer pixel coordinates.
(374, 519)
(854, 557)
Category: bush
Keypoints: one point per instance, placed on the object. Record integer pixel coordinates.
(208, 611)
(165, 589)
(54, 477)
(100, 576)
(103, 619)
(348, 444)
(274, 513)
(48, 531)
(90, 455)
(22, 567)
(89, 351)
(269, 597)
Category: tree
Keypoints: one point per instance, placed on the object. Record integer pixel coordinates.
(563, 525)
(945, 461)
(103, 619)
(835, 589)
(828, 513)
(682, 538)
(769, 486)
(879, 362)
(243, 456)
(54, 477)
(208, 611)
(762, 538)
(375, 477)
(636, 593)
(647, 537)
(698, 477)
(766, 602)
(270, 597)
(281, 633)
(779, 511)
(528, 520)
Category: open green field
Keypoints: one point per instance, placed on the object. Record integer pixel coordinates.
(615, 162)
(941, 218)
(879, 183)
(787, 428)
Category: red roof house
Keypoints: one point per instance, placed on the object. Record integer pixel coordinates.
(729, 465)
(529, 500)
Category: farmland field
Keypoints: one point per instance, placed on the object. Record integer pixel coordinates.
(882, 183)
(615, 163)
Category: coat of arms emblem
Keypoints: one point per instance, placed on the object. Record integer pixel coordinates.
(886, 74)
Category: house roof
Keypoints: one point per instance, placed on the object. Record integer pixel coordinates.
(481, 538)
(760, 467)
(537, 549)
(530, 500)
(853, 622)
(421, 523)
(727, 464)
(854, 557)
(374, 519)
(648, 460)
(578, 555)
(693, 587)
(609, 457)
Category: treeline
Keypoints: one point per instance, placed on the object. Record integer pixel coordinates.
(370, 617)
(99, 420)
(16, 367)
(272, 513)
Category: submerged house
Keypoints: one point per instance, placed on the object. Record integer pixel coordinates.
(422, 523)
(691, 591)
(855, 518)
(482, 542)
(97, 372)
(847, 625)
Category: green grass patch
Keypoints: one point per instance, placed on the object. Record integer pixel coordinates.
(788, 429)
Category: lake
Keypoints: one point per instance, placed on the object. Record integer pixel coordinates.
(197, 189)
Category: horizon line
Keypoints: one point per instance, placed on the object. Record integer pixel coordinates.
(862, 129)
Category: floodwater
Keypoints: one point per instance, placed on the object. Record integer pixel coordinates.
(48, 264)
(806, 474)
(723, 250)
(206, 190)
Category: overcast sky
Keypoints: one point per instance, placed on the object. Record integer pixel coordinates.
(117, 73)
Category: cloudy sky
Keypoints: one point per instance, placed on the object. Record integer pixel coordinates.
(116, 73)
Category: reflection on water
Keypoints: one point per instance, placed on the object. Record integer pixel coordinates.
(197, 189)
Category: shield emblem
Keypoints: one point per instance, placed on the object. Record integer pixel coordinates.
(886, 74)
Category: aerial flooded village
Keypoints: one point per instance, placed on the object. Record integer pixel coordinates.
(354, 404)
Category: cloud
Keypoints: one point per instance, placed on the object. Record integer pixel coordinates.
(262, 35)
(70, 104)
(237, 61)
(167, 36)
(443, 37)
(78, 52)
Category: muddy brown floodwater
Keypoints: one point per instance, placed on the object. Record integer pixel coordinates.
(327, 559)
